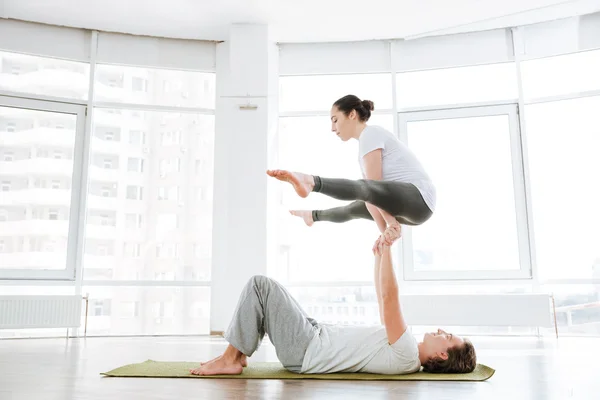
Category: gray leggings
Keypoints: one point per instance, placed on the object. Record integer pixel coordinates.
(400, 199)
(265, 306)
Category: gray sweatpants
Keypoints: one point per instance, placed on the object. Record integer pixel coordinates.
(265, 306)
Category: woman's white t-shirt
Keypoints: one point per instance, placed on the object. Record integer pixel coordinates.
(399, 163)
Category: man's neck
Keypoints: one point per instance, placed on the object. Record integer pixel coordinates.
(422, 356)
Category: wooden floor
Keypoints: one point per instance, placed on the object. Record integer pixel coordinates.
(61, 369)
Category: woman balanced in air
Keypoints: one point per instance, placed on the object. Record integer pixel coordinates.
(395, 189)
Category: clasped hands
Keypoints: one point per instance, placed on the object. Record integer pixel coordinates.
(387, 238)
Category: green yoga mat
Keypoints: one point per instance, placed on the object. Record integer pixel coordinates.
(274, 370)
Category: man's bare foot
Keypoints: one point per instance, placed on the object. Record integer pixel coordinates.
(306, 215)
(303, 184)
(206, 362)
(243, 361)
(220, 366)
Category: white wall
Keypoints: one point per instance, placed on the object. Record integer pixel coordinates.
(244, 77)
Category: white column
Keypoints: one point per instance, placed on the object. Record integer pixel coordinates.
(245, 122)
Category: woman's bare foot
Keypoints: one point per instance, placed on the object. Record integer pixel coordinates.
(220, 366)
(303, 184)
(306, 215)
(243, 360)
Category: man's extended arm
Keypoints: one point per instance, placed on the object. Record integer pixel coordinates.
(389, 302)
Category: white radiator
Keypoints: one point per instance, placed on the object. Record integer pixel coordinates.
(21, 312)
(527, 309)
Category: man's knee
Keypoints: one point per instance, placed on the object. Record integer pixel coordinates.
(259, 280)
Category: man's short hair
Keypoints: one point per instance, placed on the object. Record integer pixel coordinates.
(461, 359)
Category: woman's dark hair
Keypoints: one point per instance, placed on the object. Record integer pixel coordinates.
(350, 102)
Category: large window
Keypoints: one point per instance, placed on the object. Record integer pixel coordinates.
(472, 84)
(43, 76)
(318, 93)
(517, 189)
(356, 305)
(563, 139)
(562, 143)
(38, 142)
(577, 308)
(472, 157)
(149, 203)
(152, 86)
(144, 218)
(561, 75)
(143, 243)
(148, 310)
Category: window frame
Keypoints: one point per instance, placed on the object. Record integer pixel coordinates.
(79, 111)
(521, 207)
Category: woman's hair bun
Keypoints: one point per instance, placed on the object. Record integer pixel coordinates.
(368, 104)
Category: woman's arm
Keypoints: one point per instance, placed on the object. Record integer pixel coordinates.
(374, 171)
(378, 217)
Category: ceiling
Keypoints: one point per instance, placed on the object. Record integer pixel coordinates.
(292, 21)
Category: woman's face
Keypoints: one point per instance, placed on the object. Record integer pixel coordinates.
(343, 126)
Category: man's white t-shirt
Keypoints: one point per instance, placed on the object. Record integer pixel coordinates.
(399, 163)
(340, 348)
